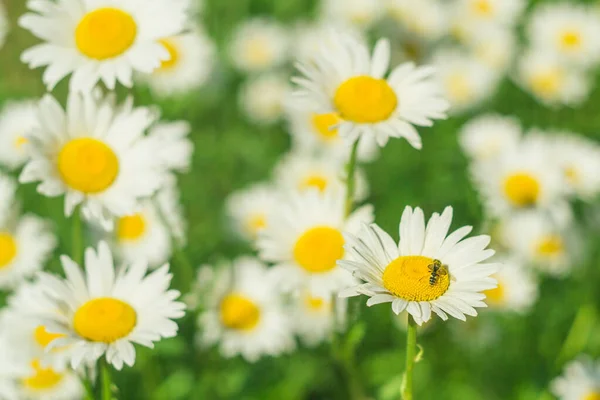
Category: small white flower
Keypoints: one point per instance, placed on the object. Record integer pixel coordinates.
(488, 136)
(314, 317)
(309, 35)
(103, 312)
(99, 39)
(580, 381)
(16, 120)
(304, 240)
(345, 80)
(12, 367)
(245, 314)
(262, 98)
(427, 271)
(425, 18)
(361, 13)
(494, 47)
(517, 288)
(174, 149)
(249, 209)
(488, 12)
(258, 45)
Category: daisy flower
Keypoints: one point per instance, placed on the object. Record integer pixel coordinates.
(427, 19)
(488, 12)
(94, 153)
(104, 312)
(567, 30)
(493, 47)
(300, 172)
(360, 13)
(539, 240)
(315, 317)
(174, 149)
(45, 383)
(307, 36)
(343, 79)
(188, 67)
(249, 209)
(259, 44)
(26, 242)
(304, 240)
(99, 39)
(262, 98)
(580, 381)
(550, 80)
(16, 120)
(244, 313)
(12, 367)
(488, 136)
(517, 288)
(405, 273)
(144, 236)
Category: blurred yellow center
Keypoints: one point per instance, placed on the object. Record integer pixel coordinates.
(257, 223)
(314, 303)
(314, 181)
(482, 7)
(496, 295)
(364, 99)
(550, 245)
(8, 249)
(458, 87)
(322, 123)
(408, 277)
(131, 227)
(318, 249)
(547, 83)
(173, 54)
(104, 320)
(105, 33)
(43, 378)
(592, 396)
(522, 189)
(570, 40)
(20, 141)
(43, 337)
(88, 165)
(258, 52)
(239, 312)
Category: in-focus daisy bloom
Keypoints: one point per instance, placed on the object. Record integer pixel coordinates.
(540, 241)
(95, 154)
(427, 19)
(104, 312)
(301, 172)
(188, 67)
(567, 30)
(174, 149)
(304, 240)
(258, 45)
(99, 39)
(343, 79)
(427, 271)
(249, 209)
(16, 120)
(26, 242)
(489, 135)
(550, 80)
(517, 288)
(489, 12)
(315, 317)
(580, 381)
(262, 98)
(360, 13)
(466, 81)
(245, 314)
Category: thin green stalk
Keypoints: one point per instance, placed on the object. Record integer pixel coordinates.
(106, 382)
(77, 238)
(87, 385)
(577, 338)
(411, 352)
(350, 177)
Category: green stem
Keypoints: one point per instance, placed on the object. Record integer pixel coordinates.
(577, 338)
(411, 352)
(350, 177)
(106, 382)
(77, 238)
(87, 385)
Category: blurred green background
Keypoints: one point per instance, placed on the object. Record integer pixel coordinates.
(495, 356)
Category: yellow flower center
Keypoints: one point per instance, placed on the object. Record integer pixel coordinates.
(88, 165)
(43, 378)
(570, 40)
(592, 396)
(551, 245)
(105, 33)
(483, 8)
(318, 249)
(363, 99)
(173, 54)
(131, 227)
(547, 83)
(409, 277)
(314, 181)
(458, 87)
(572, 175)
(8, 249)
(104, 320)
(522, 189)
(315, 304)
(256, 223)
(258, 52)
(322, 124)
(20, 141)
(43, 337)
(239, 312)
(496, 295)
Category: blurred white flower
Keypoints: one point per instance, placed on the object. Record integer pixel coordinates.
(99, 40)
(262, 98)
(244, 313)
(12, 368)
(16, 120)
(259, 44)
(174, 148)
(427, 19)
(488, 12)
(308, 36)
(517, 288)
(488, 136)
(568, 31)
(190, 62)
(580, 381)
(494, 47)
(314, 318)
(249, 209)
(427, 271)
(304, 240)
(360, 13)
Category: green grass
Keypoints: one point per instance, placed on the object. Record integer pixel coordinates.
(492, 357)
